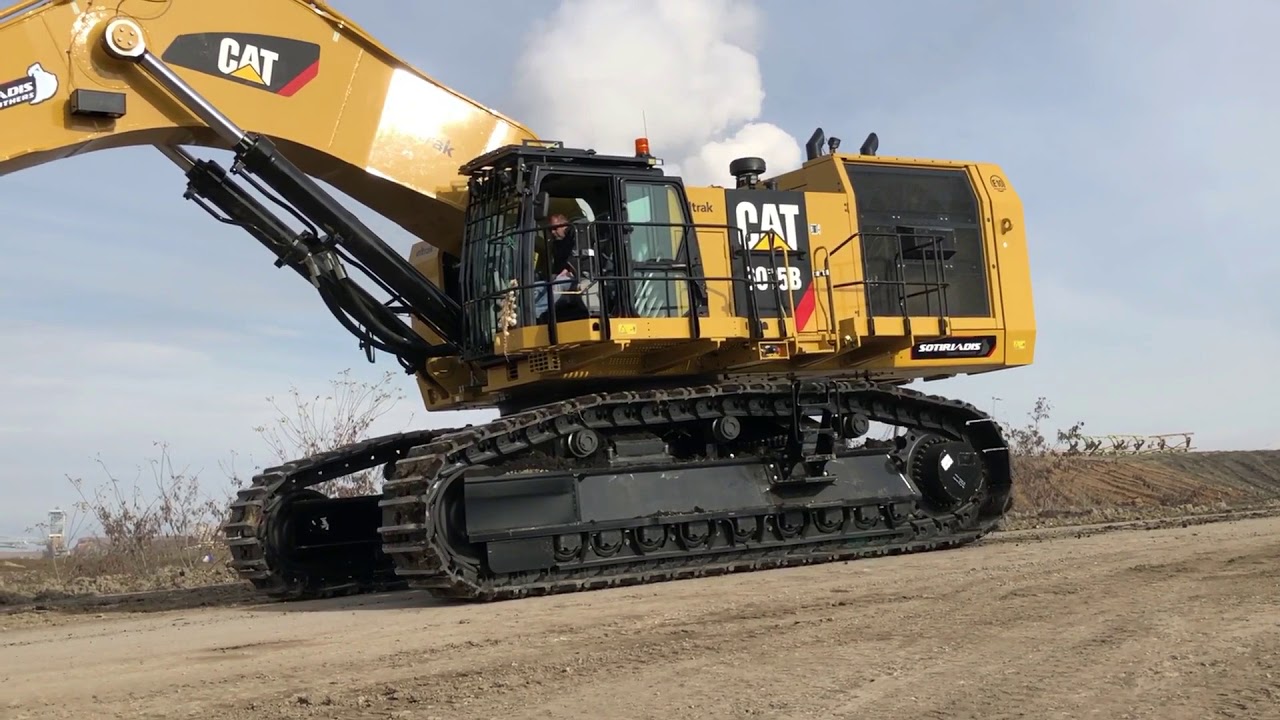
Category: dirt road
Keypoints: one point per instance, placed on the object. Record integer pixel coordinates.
(1170, 624)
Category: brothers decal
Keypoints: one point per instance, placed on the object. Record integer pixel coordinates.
(37, 86)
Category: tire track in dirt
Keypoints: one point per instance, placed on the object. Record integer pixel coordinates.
(1098, 623)
(1172, 623)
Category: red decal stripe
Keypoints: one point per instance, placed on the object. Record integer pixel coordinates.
(303, 78)
(804, 311)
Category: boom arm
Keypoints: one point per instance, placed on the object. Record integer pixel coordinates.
(306, 81)
(339, 104)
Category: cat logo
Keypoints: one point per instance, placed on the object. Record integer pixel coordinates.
(250, 62)
(278, 65)
(768, 226)
(773, 226)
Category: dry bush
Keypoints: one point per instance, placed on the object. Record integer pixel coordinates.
(177, 525)
(159, 530)
(1039, 462)
(162, 529)
(327, 422)
(1053, 479)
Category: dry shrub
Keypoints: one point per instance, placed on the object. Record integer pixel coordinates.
(1053, 478)
(179, 524)
(1038, 463)
(163, 529)
(327, 422)
(158, 531)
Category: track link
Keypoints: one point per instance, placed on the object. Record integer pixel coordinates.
(420, 514)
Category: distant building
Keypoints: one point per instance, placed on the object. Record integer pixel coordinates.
(88, 545)
(57, 545)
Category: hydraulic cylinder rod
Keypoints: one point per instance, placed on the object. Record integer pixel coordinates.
(257, 154)
(212, 187)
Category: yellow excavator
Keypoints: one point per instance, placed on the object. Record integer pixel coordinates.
(687, 377)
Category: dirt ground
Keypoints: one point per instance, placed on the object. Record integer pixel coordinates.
(1104, 622)
(1173, 613)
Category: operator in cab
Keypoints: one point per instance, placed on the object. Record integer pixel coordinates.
(552, 260)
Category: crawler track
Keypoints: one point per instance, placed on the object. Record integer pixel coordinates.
(259, 537)
(421, 523)
(422, 542)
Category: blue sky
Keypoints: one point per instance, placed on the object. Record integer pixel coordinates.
(1136, 132)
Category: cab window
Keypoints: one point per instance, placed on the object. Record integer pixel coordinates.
(656, 251)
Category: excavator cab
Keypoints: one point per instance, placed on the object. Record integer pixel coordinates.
(624, 249)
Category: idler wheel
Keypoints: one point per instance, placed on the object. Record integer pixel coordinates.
(948, 472)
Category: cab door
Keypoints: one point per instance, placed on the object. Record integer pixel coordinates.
(660, 254)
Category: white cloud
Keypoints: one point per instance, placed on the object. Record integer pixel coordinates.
(596, 74)
(710, 164)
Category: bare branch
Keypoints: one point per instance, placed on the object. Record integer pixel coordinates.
(325, 422)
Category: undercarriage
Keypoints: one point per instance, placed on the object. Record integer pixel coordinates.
(625, 488)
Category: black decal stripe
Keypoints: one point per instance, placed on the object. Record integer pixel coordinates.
(298, 62)
(770, 264)
(299, 82)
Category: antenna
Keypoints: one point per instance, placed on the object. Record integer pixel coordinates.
(644, 123)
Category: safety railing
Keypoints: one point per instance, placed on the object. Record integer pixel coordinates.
(597, 245)
(901, 290)
(775, 280)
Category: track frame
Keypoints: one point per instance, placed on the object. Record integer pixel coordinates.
(422, 541)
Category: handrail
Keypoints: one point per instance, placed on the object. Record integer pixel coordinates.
(690, 280)
(593, 281)
(939, 286)
(777, 287)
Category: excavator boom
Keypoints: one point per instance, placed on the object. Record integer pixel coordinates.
(393, 141)
(91, 76)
